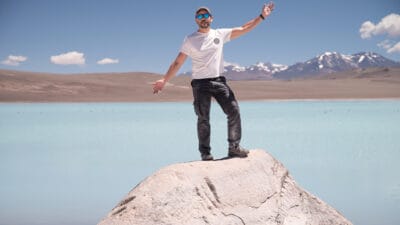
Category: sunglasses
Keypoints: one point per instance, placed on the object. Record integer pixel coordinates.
(201, 16)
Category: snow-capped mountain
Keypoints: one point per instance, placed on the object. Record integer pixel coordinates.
(267, 67)
(370, 59)
(258, 71)
(233, 67)
(328, 62)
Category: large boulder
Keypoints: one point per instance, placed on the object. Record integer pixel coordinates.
(253, 190)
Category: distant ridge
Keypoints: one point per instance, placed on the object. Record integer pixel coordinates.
(331, 62)
(326, 63)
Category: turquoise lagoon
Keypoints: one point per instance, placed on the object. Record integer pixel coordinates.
(72, 163)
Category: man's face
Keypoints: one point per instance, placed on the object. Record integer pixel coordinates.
(204, 22)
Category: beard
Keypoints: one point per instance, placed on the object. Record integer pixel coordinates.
(204, 24)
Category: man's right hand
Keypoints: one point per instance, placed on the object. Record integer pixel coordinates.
(158, 86)
(173, 69)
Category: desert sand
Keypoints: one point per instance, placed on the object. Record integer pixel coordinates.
(20, 86)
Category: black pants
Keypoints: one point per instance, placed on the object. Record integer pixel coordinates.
(203, 90)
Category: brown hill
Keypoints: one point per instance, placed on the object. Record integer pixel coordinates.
(19, 86)
(42, 87)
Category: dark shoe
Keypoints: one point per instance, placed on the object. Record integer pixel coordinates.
(207, 157)
(238, 152)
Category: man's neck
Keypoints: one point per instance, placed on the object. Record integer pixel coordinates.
(204, 30)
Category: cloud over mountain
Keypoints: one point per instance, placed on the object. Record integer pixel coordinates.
(390, 46)
(389, 24)
(394, 48)
(69, 58)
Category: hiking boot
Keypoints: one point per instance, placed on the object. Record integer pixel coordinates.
(239, 151)
(207, 157)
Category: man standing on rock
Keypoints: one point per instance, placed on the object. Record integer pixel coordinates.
(205, 48)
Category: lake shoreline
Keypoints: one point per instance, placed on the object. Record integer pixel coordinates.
(187, 101)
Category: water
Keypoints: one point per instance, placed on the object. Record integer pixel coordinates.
(71, 163)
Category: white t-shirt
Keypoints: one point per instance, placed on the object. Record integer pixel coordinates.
(206, 51)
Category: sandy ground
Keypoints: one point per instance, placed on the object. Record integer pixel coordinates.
(18, 86)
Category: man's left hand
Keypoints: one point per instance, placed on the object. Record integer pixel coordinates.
(267, 9)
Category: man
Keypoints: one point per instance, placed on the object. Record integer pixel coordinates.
(205, 48)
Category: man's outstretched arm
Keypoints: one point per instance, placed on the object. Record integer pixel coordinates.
(173, 69)
(239, 31)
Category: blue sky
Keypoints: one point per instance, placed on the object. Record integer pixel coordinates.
(146, 35)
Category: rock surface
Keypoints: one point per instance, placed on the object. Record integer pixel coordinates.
(253, 190)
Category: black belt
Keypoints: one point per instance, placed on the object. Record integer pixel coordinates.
(221, 78)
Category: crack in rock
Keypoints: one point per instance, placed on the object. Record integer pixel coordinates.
(263, 202)
(279, 218)
(126, 201)
(205, 197)
(231, 214)
(197, 190)
(283, 182)
(211, 186)
(122, 205)
(119, 211)
(205, 220)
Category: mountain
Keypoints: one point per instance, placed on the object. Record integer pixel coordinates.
(331, 62)
(326, 63)
(258, 71)
(369, 59)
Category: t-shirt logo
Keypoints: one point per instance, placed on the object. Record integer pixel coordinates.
(216, 41)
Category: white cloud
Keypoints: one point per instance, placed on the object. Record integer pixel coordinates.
(386, 44)
(389, 24)
(69, 58)
(14, 60)
(390, 46)
(107, 61)
(366, 29)
(395, 48)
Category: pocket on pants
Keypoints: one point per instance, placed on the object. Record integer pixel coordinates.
(201, 102)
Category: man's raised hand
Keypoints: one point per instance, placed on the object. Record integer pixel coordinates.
(267, 9)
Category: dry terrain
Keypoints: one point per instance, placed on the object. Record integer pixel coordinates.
(19, 86)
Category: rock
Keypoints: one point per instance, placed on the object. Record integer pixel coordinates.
(254, 190)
